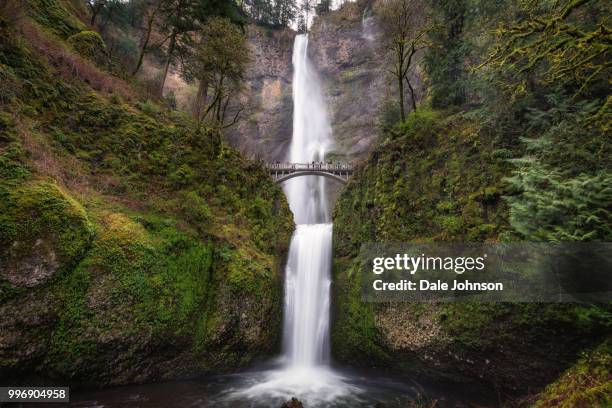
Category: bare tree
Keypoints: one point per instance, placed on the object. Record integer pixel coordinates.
(154, 7)
(405, 24)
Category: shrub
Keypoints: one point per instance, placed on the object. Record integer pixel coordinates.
(10, 86)
(195, 208)
(183, 176)
(90, 45)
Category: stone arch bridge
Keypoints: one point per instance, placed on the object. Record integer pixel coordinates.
(281, 172)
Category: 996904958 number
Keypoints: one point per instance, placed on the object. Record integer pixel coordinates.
(34, 394)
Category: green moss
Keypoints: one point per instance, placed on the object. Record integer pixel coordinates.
(53, 15)
(89, 44)
(587, 384)
(34, 210)
(41, 214)
(153, 280)
(354, 338)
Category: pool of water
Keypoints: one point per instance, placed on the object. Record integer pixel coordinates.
(256, 389)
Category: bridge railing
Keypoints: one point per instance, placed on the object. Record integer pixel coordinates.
(330, 167)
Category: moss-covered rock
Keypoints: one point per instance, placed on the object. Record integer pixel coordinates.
(586, 384)
(89, 44)
(43, 231)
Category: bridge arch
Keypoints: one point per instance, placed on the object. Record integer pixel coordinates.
(300, 173)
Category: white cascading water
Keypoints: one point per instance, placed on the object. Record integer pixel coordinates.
(308, 267)
(305, 371)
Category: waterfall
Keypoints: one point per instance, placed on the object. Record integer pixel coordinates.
(311, 139)
(367, 25)
(305, 370)
(308, 268)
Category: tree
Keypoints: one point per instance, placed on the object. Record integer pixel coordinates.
(178, 22)
(181, 19)
(323, 7)
(405, 24)
(96, 7)
(306, 8)
(284, 12)
(275, 13)
(557, 48)
(445, 61)
(302, 26)
(218, 63)
(154, 7)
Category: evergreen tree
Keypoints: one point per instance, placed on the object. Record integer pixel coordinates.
(218, 63)
(181, 19)
(445, 60)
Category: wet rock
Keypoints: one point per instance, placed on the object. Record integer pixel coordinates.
(267, 121)
(30, 263)
(292, 403)
(346, 51)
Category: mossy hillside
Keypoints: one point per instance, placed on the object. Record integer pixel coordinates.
(57, 16)
(586, 384)
(180, 271)
(437, 179)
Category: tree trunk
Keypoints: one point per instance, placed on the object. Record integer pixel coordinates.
(220, 100)
(168, 61)
(145, 43)
(399, 71)
(400, 85)
(412, 97)
(200, 101)
(94, 14)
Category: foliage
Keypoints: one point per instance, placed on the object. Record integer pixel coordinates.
(405, 24)
(219, 64)
(181, 19)
(561, 42)
(96, 6)
(445, 61)
(274, 13)
(587, 384)
(53, 15)
(90, 45)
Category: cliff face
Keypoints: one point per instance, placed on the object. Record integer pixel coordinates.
(345, 54)
(345, 47)
(267, 125)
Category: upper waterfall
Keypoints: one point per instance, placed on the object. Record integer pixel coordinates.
(312, 138)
